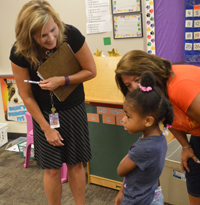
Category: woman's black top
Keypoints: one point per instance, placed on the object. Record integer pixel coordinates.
(76, 40)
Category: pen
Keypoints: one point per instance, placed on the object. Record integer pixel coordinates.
(30, 81)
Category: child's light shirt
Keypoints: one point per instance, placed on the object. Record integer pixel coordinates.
(140, 184)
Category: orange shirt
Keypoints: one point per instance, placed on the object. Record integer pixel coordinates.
(182, 90)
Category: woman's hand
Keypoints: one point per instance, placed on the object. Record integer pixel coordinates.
(187, 152)
(185, 155)
(52, 83)
(53, 137)
(119, 197)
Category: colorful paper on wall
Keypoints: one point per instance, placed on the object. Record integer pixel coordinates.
(150, 25)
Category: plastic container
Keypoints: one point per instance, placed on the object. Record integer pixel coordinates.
(15, 142)
(3, 134)
(22, 149)
(172, 179)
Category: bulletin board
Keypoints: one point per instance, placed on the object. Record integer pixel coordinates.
(192, 31)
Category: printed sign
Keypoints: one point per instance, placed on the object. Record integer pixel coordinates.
(109, 119)
(188, 35)
(196, 23)
(196, 13)
(110, 111)
(196, 35)
(179, 175)
(16, 112)
(92, 117)
(120, 121)
(188, 23)
(188, 46)
(189, 13)
(196, 46)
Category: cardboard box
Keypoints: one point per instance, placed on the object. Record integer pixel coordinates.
(172, 179)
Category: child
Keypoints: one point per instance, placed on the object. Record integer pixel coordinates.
(141, 168)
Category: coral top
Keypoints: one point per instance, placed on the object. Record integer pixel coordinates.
(182, 90)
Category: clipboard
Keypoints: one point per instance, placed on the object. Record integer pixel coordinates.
(61, 63)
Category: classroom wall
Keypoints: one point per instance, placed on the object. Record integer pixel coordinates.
(71, 12)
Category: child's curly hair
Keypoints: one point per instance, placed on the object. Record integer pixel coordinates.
(151, 102)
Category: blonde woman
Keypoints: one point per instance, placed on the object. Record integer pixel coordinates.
(39, 33)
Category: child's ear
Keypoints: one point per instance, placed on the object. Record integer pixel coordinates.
(149, 121)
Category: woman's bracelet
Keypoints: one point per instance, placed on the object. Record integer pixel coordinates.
(186, 147)
(66, 80)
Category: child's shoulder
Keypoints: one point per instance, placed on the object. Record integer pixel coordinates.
(150, 143)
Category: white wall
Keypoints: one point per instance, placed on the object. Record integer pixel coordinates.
(71, 12)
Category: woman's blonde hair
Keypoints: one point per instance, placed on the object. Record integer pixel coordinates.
(32, 19)
(135, 62)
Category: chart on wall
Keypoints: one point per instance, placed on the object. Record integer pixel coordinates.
(192, 31)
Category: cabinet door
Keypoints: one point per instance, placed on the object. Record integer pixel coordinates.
(109, 144)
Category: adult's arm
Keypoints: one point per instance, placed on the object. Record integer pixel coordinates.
(86, 60)
(194, 113)
(194, 109)
(21, 74)
(186, 153)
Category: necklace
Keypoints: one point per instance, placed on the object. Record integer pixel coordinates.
(49, 53)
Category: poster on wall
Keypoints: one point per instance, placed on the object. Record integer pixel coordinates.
(14, 109)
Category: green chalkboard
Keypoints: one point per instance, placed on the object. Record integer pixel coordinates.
(109, 144)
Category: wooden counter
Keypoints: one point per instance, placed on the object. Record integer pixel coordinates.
(103, 88)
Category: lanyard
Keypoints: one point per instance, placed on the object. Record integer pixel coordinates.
(53, 109)
(48, 53)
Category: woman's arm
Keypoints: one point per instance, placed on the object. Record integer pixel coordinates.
(194, 113)
(86, 60)
(186, 153)
(125, 166)
(194, 109)
(21, 74)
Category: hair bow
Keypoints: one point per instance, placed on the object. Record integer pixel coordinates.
(165, 129)
(168, 126)
(145, 89)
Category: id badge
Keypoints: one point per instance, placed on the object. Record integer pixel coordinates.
(54, 120)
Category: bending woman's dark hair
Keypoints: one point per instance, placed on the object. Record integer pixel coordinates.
(152, 102)
(135, 62)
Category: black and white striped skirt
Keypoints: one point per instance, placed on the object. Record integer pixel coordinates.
(74, 131)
